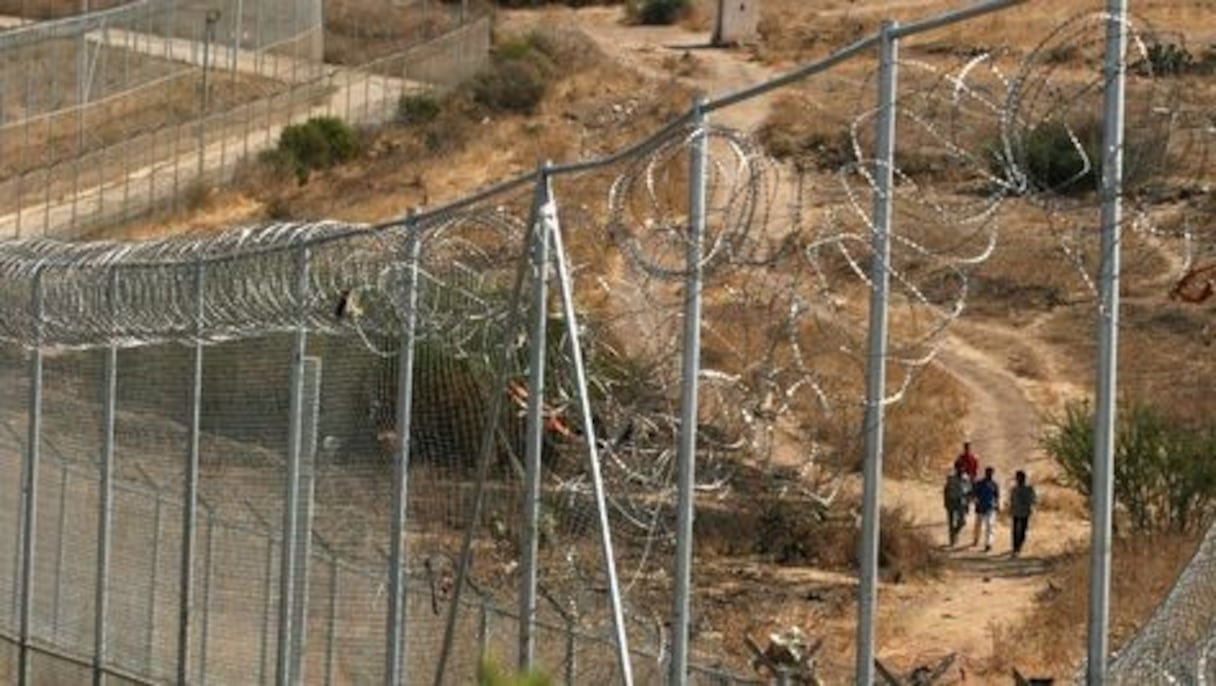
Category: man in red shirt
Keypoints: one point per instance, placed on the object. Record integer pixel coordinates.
(968, 461)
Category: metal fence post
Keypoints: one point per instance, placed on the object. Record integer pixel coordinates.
(209, 19)
(60, 534)
(303, 533)
(267, 608)
(884, 161)
(689, 372)
(286, 670)
(190, 495)
(208, 571)
(483, 628)
(105, 506)
(332, 618)
(534, 425)
(396, 634)
(29, 492)
(153, 585)
(571, 651)
(1108, 343)
(566, 291)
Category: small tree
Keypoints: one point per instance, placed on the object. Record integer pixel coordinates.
(318, 143)
(1164, 472)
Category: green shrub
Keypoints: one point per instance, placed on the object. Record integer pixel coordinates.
(514, 86)
(1167, 59)
(318, 143)
(1063, 159)
(518, 76)
(658, 11)
(417, 109)
(1164, 474)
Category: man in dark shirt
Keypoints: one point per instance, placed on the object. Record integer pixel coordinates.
(1022, 500)
(987, 497)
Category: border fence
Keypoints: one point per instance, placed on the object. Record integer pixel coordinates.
(332, 453)
(108, 115)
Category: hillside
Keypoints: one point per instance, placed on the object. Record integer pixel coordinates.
(1022, 348)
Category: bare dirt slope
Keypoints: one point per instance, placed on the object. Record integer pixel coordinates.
(1011, 380)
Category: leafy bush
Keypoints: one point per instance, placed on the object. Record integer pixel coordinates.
(511, 86)
(1164, 474)
(658, 11)
(318, 143)
(417, 109)
(518, 76)
(1167, 59)
(1065, 158)
(1061, 158)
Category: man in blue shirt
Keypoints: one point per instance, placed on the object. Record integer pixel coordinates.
(987, 497)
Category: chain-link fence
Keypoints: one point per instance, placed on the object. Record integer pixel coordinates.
(331, 453)
(108, 115)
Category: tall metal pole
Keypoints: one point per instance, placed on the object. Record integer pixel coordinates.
(311, 402)
(397, 628)
(565, 287)
(1108, 342)
(190, 497)
(153, 586)
(534, 426)
(331, 618)
(105, 505)
(690, 369)
(60, 535)
(267, 608)
(211, 18)
(29, 491)
(286, 665)
(208, 575)
(876, 370)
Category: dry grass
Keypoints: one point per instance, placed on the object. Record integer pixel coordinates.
(816, 142)
(359, 31)
(925, 426)
(1051, 639)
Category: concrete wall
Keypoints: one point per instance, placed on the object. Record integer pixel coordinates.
(737, 21)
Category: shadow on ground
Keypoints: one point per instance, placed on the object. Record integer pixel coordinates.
(975, 562)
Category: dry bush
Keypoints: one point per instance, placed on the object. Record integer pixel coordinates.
(791, 30)
(358, 31)
(794, 531)
(701, 15)
(905, 550)
(812, 142)
(1051, 637)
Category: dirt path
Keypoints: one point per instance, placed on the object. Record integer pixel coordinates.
(979, 591)
(1009, 376)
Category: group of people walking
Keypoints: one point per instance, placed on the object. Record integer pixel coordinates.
(965, 491)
